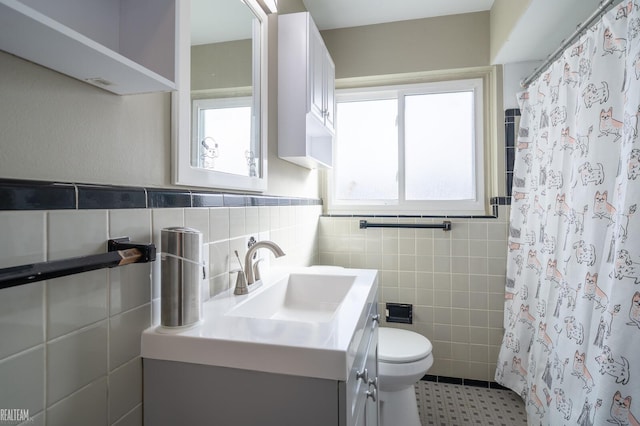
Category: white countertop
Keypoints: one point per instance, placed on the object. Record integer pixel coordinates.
(323, 350)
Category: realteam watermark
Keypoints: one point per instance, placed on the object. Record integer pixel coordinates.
(14, 415)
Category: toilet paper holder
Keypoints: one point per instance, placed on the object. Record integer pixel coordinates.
(399, 312)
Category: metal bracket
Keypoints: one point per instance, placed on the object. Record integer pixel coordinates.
(147, 251)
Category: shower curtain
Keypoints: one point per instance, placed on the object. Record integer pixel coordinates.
(571, 346)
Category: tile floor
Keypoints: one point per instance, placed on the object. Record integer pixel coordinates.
(444, 404)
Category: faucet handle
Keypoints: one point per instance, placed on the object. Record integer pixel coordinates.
(256, 269)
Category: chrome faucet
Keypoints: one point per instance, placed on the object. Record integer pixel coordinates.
(251, 273)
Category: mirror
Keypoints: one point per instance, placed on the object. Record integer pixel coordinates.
(219, 112)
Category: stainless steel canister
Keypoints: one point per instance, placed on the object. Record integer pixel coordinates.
(182, 269)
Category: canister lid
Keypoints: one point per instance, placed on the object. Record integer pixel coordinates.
(397, 346)
(181, 241)
(181, 229)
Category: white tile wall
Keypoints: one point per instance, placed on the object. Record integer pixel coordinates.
(71, 345)
(76, 301)
(75, 360)
(455, 280)
(87, 406)
(22, 378)
(21, 318)
(125, 384)
(26, 232)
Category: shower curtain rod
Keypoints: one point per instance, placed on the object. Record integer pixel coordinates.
(601, 10)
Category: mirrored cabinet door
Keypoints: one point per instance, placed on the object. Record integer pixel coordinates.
(219, 111)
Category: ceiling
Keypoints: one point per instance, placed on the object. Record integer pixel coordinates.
(330, 14)
(537, 33)
(219, 20)
(542, 28)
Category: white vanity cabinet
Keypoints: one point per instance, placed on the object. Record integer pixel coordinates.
(125, 46)
(310, 385)
(306, 93)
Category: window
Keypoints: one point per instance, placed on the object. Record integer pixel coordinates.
(223, 140)
(409, 149)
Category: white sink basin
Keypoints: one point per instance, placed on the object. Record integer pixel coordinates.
(298, 297)
(301, 321)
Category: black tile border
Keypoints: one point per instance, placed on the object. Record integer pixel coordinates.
(36, 195)
(160, 198)
(16, 194)
(201, 199)
(510, 142)
(512, 112)
(494, 201)
(501, 201)
(101, 197)
(464, 382)
(450, 380)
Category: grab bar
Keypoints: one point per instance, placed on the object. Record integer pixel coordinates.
(120, 252)
(445, 225)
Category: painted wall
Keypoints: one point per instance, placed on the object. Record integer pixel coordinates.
(221, 65)
(504, 16)
(56, 128)
(441, 43)
(513, 74)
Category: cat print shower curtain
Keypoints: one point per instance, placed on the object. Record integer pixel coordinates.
(571, 346)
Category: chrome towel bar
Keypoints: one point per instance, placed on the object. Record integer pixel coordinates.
(445, 225)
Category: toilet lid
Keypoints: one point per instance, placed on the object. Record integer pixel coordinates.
(396, 345)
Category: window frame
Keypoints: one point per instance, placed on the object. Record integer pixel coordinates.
(200, 105)
(477, 206)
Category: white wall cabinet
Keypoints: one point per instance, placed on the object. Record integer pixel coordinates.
(306, 93)
(125, 46)
(322, 78)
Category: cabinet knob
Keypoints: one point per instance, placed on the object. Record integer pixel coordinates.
(363, 375)
(373, 394)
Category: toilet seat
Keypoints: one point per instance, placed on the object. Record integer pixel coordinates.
(401, 346)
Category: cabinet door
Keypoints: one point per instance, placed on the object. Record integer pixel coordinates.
(330, 89)
(317, 54)
(372, 403)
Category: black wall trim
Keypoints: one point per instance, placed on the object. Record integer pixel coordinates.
(464, 382)
(494, 201)
(501, 201)
(159, 198)
(22, 195)
(510, 142)
(37, 195)
(97, 197)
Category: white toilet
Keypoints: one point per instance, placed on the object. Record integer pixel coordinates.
(403, 358)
